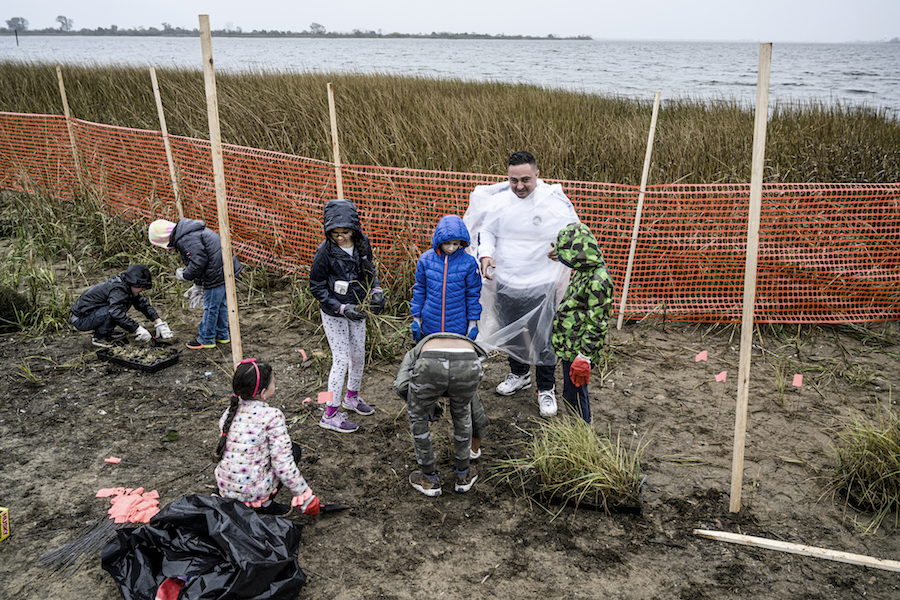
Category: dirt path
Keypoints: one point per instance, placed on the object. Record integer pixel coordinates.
(62, 411)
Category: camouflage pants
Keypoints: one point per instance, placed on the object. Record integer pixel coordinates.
(440, 373)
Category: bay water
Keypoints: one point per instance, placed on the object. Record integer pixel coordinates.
(849, 74)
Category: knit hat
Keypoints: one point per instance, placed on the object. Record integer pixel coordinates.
(159, 232)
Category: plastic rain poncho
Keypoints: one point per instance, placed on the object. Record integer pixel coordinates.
(519, 303)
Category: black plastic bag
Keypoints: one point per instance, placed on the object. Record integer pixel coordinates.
(227, 550)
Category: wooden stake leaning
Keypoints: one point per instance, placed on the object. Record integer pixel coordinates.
(837, 555)
(640, 207)
(756, 176)
(65, 103)
(168, 146)
(215, 138)
(335, 147)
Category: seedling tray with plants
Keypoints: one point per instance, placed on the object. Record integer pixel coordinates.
(147, 358)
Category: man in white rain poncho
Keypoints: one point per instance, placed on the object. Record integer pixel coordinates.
(514, 225)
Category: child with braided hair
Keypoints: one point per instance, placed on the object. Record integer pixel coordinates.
(256, 454)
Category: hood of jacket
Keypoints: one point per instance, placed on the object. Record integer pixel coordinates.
(184, 227)
(138, 276)
(450, 227)
(341, 213)
(577, 248)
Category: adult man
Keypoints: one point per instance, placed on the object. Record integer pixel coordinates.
(442, 364)
(516, 224)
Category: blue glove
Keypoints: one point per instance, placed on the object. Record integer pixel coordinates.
(473, 330)
(416, 329)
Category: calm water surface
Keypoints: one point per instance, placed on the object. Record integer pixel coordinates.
(846, 74)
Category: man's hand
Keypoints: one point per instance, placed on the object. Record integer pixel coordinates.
(142, 335)
(163, 331)
(487, 263)
(552, 254)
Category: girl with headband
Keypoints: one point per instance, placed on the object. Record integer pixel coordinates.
(256, 455)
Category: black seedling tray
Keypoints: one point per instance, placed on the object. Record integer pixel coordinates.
(160, 363)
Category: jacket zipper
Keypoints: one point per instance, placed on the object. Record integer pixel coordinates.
(444, 293)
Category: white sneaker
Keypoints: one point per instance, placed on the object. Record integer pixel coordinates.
(514, 383)
(474, 455)
(547, 402)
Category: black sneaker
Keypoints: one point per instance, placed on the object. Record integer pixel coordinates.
(101, 341)
(430, 485)
(466, 479)
(274, 508)
(116, 335)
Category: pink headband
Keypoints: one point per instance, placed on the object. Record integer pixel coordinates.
(253, 362)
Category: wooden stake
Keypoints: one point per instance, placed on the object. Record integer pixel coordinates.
(756, 177)
(640, 207)
(215, 138)
(165, 135)
(837, 555)
(65, 102)
(335, 147)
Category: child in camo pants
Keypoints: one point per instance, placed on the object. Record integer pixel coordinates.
(442, 364)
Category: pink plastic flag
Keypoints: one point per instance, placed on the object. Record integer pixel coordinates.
(798, 380)
(302, 353)
(305, 400)
(325, 397)
(700, 356)
(113, 460)
(721, 376)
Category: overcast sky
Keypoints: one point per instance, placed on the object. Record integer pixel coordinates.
(725, 20)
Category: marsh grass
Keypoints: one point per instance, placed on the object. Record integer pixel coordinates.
(567, 458)
(465, 126)
(867, 454)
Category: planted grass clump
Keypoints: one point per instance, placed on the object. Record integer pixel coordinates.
(868, 466)
(567, 461)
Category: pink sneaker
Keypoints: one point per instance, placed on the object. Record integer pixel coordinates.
(357, 405)
(338, 422)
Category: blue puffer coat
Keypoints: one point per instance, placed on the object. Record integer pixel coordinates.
(447, 291)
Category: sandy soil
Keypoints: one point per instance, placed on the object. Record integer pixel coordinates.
(62, 411)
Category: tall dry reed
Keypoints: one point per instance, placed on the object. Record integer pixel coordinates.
(454, 125)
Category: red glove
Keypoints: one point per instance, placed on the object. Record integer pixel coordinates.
(580, 372)
(309, 505)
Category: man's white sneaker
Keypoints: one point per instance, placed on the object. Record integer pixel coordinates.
(547, 402)
(514, 383)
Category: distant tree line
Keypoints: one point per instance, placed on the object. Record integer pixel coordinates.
(19, 25)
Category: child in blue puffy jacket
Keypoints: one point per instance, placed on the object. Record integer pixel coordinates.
(447, 298)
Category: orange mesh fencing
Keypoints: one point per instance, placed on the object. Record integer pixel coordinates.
(827, 252)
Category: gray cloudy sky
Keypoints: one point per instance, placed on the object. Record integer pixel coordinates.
(726, 20)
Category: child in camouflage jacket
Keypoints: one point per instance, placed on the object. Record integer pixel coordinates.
(582, 319)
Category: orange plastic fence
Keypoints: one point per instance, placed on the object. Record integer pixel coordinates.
(828, 252)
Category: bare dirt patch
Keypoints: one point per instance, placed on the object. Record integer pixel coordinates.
(62, 411)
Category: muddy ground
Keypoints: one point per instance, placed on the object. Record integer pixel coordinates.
(62, 411)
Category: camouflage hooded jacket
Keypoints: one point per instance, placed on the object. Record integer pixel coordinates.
(582, 318)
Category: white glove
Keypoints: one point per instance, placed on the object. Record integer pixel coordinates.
(179, 274)
(194, 296)
(163, 331)
(142, 335)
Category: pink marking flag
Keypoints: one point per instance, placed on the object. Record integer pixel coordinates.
(113, 460)
(721, 376)
(325, 397)
(302, 353)
(798, 380)
(700, 356)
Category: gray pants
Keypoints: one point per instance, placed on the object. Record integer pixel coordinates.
(438, 373)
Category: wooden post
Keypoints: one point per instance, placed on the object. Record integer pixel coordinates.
(756, 177)
(215, 138)
(640, 207)
(65, 102)
(335, 147)
(165, 135)
(802, 549)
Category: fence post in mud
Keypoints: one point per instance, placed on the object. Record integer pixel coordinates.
(334, 142)
(165, 136)
(65, 103)
(640, 207)
(215, 138)
(754, 209)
